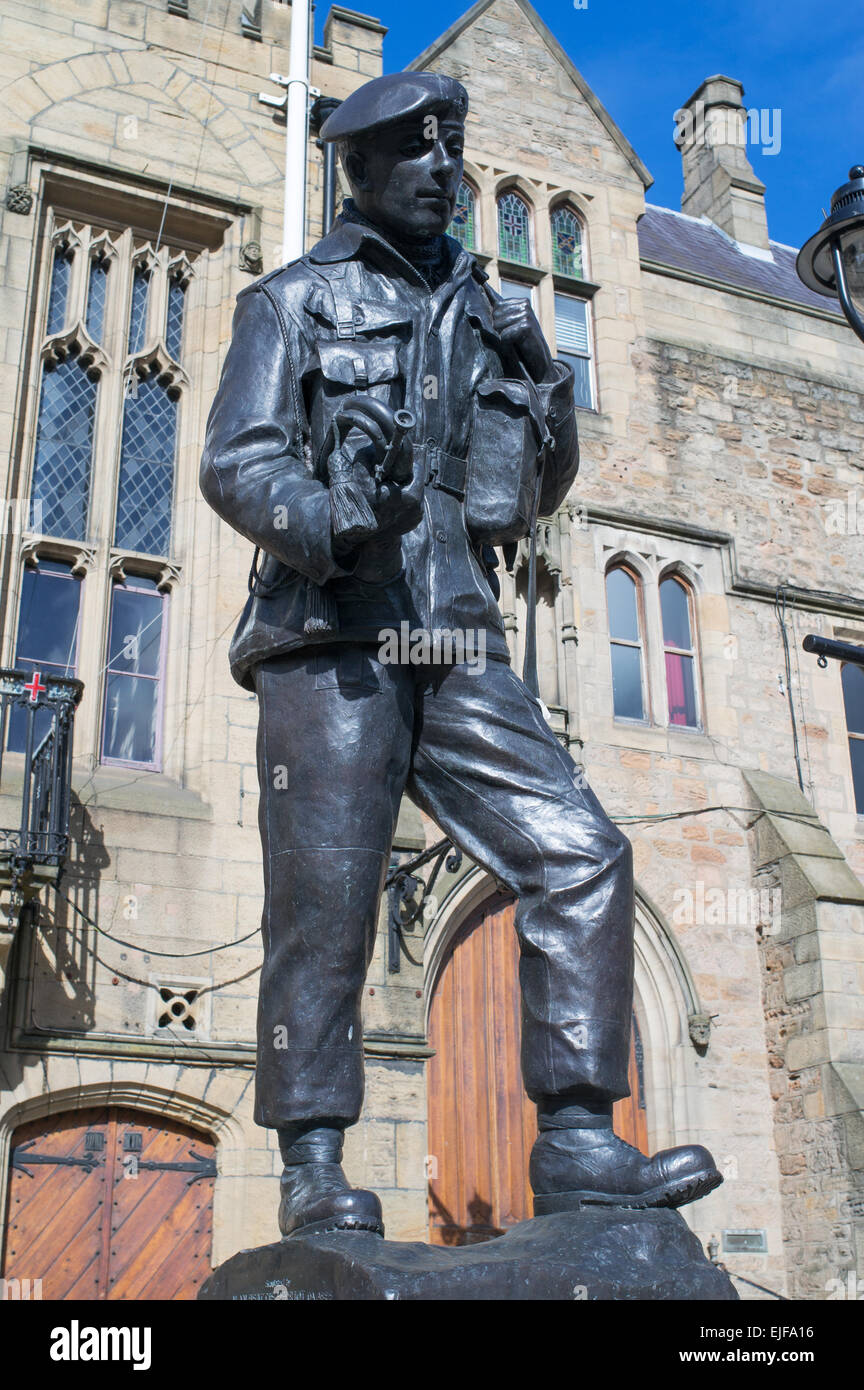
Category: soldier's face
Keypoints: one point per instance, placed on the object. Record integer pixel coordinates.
(407, 176)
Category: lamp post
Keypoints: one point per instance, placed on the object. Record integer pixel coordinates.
(832, 261)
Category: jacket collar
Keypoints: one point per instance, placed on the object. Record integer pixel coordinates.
(347, 240)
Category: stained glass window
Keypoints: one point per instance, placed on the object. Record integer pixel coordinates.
(463, 225)
(146, 469)
(514, 229)
(567, 243)
(625, 632)
(853, 699)
(130, 731)
(679, 653)
(47, 635)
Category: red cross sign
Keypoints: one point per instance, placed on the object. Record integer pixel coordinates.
(35, 688)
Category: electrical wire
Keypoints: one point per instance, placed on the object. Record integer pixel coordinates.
(780, 611)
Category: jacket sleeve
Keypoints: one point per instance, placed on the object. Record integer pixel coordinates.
(562, 462)
(253, 469)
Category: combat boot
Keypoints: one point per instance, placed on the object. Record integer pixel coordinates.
(316, 1196)
(578, 1161)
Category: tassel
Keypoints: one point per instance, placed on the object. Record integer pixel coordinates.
(321, 618)
(351, 518)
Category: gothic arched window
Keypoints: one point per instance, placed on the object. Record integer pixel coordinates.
(464, 224)
(567, 258)
(679, 652)
(514, 229)
(60, 490)
(624, 602)
(112, 322)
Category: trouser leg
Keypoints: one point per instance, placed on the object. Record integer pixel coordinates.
(492, 774)
(333, 750)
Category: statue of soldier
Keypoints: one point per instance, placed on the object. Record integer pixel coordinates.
(382, 420)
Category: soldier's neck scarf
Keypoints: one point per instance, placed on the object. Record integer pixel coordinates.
(428, 255)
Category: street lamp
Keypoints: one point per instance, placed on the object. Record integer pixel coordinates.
(832, 261)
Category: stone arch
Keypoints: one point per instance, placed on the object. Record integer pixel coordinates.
(26, 98)
(628, 559)
(679, 569)
(665, 996)
(140, 1094)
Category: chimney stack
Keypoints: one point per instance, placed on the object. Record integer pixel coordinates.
(719, 183)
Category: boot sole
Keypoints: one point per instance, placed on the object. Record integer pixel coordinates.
(669, 1195)
(326, 1228)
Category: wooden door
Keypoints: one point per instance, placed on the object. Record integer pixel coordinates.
(481, 1123)
(110, 1204)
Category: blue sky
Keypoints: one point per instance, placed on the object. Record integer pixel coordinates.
(643, 60)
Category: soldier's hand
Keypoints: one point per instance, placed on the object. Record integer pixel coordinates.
(396, 508)
(516, 323)
(388, 433)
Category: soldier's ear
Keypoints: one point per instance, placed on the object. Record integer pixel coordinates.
(356, 169)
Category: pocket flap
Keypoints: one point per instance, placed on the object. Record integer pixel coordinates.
(513, 398)
(358, 364)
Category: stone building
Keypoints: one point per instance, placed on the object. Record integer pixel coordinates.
(715, 522)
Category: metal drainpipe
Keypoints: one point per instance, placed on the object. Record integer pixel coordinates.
(321, 108)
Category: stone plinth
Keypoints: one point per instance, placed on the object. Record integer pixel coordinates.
(587, 1255)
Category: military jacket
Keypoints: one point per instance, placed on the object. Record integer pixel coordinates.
(353, 316)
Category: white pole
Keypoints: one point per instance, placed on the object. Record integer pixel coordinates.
(296, 134)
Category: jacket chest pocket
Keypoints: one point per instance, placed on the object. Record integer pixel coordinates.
(357, 366)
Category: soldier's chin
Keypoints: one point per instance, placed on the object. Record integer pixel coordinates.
(427, 217)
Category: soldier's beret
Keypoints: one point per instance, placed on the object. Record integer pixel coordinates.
(395, 97)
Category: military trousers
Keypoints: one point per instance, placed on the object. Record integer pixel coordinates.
(341, 737)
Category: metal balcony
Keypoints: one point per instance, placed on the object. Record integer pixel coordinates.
(37, 714)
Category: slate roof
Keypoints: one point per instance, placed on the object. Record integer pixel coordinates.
(689, 244)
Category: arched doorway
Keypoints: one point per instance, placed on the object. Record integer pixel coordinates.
(481, 1123)
(110, 1204)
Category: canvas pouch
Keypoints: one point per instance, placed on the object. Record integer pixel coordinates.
(508, 433)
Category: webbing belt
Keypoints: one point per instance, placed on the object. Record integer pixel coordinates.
(445, 471)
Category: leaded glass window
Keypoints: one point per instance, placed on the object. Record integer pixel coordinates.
(96, 294)
(64, 449)
(463, 226)
(146, 468)
(58, 294)
(138, 308)
(514, 229)
(174, 329)
(567, 243)
(107, 400)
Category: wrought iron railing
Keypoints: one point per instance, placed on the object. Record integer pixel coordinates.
(37, 713)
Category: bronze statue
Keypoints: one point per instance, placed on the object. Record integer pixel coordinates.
(383, 420)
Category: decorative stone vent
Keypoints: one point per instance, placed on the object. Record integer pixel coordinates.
(177, 1007)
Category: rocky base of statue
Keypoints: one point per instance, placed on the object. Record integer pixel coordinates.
(609, 1253)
